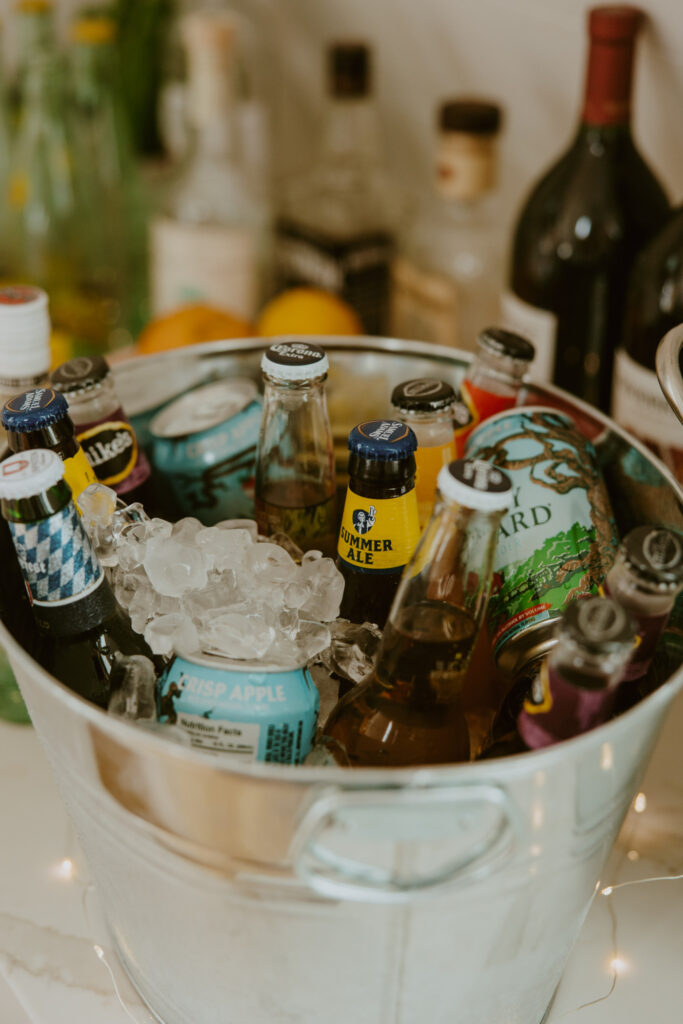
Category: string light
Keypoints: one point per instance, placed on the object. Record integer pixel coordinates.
(633, 855)
(64, 870)
(640, 803)
(618, 965)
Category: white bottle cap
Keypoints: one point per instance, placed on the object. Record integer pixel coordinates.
(294, 360)
(476, 484)
(24, 334)
(26, 474)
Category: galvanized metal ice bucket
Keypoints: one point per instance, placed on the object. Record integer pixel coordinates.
(270, 894)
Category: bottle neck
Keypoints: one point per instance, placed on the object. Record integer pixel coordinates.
(94, 404)
(212, 104)
(609, 79)
(351, 133)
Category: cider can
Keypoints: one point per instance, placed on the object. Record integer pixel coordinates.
(204, 446)
(559, 538)
(247, 711)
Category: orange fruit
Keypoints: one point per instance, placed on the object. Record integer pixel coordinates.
(190, 325)
(307, 311)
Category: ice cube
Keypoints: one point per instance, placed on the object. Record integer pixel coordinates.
(240, 524)
(285, 542)
(237, 634)
(353, 648)
(97, 504)
(131, 546)
(327, 589)
(185, 530)
(173, 632)
(270, 564)
(312, 638)
(219, 593)
(141, 607)
(223, 549)
(158, 528)
(311, 556)
(126, 584)
(134, 679)
(174, 567)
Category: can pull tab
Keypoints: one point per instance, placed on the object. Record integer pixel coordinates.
(394, 845)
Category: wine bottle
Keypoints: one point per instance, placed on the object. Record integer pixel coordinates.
(583, 225)
(654, 306)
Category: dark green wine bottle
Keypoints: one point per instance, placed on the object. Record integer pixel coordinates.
(81, 630)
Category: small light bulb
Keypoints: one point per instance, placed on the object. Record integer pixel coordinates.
(99, 951)
(633, 855)
(618, 965)
(640, 803)
(64, 870)
(607, 891)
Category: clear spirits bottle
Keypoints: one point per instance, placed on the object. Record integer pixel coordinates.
(449, 271)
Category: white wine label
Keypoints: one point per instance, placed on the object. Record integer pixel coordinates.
(424, 305)
(639, 405)
(538, 325)
(203, 263)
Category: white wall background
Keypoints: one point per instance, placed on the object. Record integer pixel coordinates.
(529, 54)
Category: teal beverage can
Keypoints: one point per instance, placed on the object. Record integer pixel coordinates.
(559, 538)
(204, 449)
(242, 710)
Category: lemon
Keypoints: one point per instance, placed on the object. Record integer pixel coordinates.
(307, 311)
(190, 325)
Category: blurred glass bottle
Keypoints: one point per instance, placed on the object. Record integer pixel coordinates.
(5, 144)
(112, 226)
(211, 242)
(336, 228)
(409, 710)
(295, 488)
(449, 271)
(33, 22)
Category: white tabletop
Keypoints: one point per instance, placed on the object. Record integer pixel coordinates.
(59, 967)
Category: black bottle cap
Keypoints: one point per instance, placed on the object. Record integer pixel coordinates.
(349, 70)
(33, 410)
(382, 440)
(599, 624)
(655, 553)
(78, 374)
(506, 343)
(425, 394)
(473, 117)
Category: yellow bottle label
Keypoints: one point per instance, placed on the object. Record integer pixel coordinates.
(78, 473)
(378, 534)
(429, 461)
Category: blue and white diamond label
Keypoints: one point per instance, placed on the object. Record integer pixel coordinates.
(56, 557)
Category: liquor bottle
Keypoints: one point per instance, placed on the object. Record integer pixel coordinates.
(40, 419)
(426, 406)
(81, 630)
(575, 688)
(103, 430)
(335, 231)
(447, 278)
(584, 223)
(645, 579)
(493, 381)
(654, 305)
(210, 243)
(380, 524)
(409, 711)
(295, 491)
(111, 232)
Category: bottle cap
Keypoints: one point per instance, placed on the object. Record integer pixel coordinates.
(382, 440)
(349, 70)
(79, 374)
(471, 117)
(33, 410)
(614, 23)
(24, 333)
(423, 395)
(599, 624)
(476, 484)
(506, 343)
(294, 360)
(655, 554)
(27, 474)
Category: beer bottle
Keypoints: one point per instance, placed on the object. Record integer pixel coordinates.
(492, 382)
(103, 430)
(380, 526)
(40, 419)
(295, 491)
(426, 406)
(575, 688)
(81, 629)
(408, 711)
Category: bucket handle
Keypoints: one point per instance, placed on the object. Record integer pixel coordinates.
(335, 876)
(668, 369)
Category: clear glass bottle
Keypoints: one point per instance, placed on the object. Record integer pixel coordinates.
(210, 245)
(425, 405)
(35, 36)
(111, 231)
(493, 381)
(409, 711)
(645, 579)
(575, 687)
(295, 491)
(448, 274)
(81, 630)
(337, 221)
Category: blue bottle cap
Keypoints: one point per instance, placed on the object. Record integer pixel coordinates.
(383, 440)
(33, 410)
